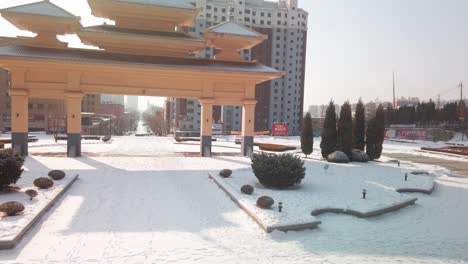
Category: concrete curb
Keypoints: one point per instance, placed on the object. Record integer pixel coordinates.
(9, 244)
(252, 215)
(415, 190)
(442, 153)
(363, 215)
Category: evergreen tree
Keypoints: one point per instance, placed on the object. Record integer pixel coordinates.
(380, 130)
(371, 140)
(328, 143)
(389, 115)
(360, 126)
(307, 135)
(376, 134)
(345, 130)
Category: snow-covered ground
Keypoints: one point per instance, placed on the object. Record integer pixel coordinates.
(339, 187)
(10, 227)
(142, 205)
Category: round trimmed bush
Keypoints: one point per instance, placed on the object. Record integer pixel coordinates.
(265, 202)
(57, 175)
(11, 164)
(31, 193)
(12, 208)
(43, 183)
(247, 189)
(225, 173)
(278, 171)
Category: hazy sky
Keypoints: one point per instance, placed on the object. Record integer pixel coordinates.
(354, 45)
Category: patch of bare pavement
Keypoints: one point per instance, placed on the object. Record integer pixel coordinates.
(459, 168)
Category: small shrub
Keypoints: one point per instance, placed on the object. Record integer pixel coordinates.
(278, 171)
(106, 138)
(265, 202)
(57, 175)
(43, 183)
(226, 173)
(11, 164)
(31, 193)
(12, 208)
(247, 189)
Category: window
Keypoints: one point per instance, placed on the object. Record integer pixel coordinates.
(208, 7)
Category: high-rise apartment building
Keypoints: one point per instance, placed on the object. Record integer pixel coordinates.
(280, 100)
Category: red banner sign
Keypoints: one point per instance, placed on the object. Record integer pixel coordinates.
(280, 130)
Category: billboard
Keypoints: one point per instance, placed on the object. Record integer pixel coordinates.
(411, 134)
(280, 130)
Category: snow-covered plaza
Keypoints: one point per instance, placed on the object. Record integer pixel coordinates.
(148, 200)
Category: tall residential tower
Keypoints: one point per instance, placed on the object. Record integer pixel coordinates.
(280, 100)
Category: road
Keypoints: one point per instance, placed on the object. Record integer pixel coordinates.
(458, 167)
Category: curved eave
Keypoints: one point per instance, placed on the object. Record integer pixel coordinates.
(104, 34)
(137, 44)
(33, 23)
(115, 10)
(11, 56)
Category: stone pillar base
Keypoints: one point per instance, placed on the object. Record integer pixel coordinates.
(74, 145)
(247, 146)
(19, 142)
(205, 146)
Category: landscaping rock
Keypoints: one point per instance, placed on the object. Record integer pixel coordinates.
(43, 183)
(57, 175)
(225, 173)
(265, 202)
(359, 156)
(106, 138)
(247, 189)
(12, 208)
(338, 157)
(31, 193)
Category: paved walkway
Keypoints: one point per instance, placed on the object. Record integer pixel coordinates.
(459, 168)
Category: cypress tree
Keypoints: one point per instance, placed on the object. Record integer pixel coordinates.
(371, 140)
(360, 126)
(376, 134)
(328, 143)
(345, 130)
(380, 130)
(307, 135)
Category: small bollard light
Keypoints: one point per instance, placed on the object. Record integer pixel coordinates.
(364, 192)
(398, 163)
(280, 207)
(406, 176)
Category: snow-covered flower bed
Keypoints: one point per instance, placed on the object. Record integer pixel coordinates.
(13, 227)
(339, 187)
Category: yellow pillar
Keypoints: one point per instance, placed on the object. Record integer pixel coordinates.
(19, 100)
(206, 126)
(73, 106)
(248, 127)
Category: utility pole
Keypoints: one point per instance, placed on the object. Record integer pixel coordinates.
(438, 101)
(461, 91)
(462, 111)
(394, 98)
